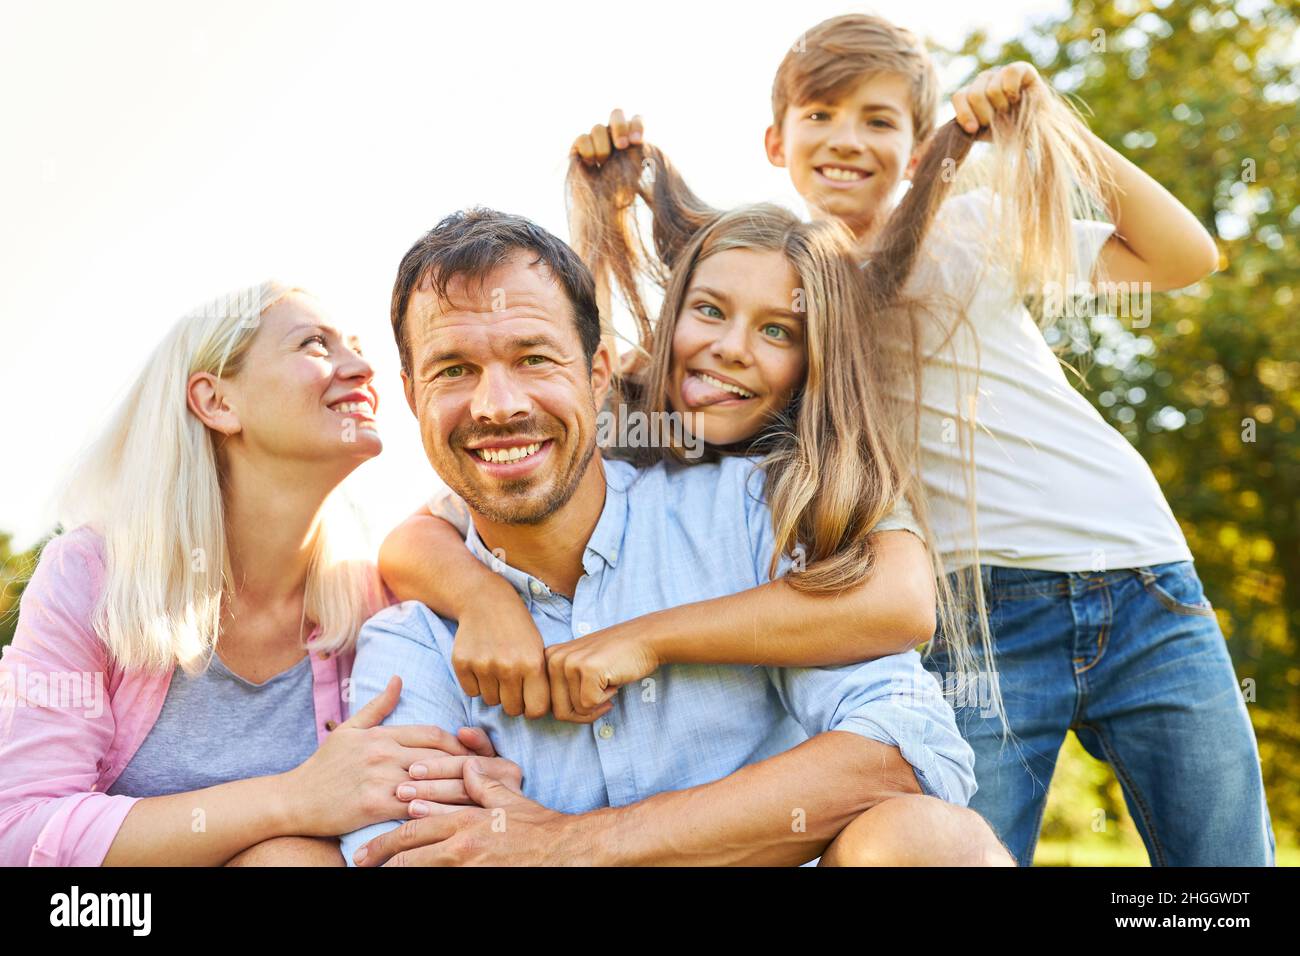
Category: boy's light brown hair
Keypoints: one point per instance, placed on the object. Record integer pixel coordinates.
(838, 53)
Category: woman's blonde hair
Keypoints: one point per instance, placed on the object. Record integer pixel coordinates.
(151, 487)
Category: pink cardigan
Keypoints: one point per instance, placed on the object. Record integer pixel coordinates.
(71, 719)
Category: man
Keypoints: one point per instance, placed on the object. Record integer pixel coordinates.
(499, 333)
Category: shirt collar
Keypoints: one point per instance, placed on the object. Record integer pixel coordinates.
(605, 543)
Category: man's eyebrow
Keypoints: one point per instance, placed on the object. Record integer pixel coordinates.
(517, 344)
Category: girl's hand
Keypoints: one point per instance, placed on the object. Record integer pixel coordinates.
(595, 147)
(586, 673)
(498, 655)
(994, 90)
(351, 780)
(439, 785)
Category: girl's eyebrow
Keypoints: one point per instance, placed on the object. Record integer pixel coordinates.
(725, 300)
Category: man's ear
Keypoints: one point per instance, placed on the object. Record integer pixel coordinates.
(206, 396)
(408, 388)
(775, 148)
(602, 373)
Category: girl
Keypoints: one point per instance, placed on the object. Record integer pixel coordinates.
(762, 347)
(176, 688)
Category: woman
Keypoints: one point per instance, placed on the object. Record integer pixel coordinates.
(175, 692)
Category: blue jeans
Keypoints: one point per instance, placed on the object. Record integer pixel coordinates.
(1133, 661)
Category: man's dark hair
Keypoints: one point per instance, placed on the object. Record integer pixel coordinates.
(470, 244)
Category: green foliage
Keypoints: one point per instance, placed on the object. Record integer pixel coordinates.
(1203, 97)
(15, 569)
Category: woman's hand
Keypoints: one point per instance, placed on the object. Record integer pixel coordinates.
(992, 91)
(351, 780)
(595, 147)
(498, 654)
(586, 673)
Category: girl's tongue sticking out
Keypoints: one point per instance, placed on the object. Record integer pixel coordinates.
(700, 389)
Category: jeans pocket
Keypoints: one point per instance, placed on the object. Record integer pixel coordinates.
(1177, 588)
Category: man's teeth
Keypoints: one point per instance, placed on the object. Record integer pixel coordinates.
(348, 408)
(499, 455)
(842, 175)
(725, 386)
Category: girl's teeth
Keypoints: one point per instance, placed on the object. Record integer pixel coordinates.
(725, 386)
(499, 455)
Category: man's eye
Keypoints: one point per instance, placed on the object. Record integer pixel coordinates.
(774, 331)
(709, 311)
(452, 371)
(534, 360)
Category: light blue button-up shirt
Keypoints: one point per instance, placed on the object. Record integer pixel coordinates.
(667, 536)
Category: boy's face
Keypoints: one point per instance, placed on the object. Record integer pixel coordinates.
(846, 157)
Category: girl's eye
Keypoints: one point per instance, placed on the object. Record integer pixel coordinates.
(774, 331)
(710, 311)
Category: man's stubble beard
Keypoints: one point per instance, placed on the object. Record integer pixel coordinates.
(504, 508)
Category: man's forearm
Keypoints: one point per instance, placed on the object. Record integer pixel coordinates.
(780, 811)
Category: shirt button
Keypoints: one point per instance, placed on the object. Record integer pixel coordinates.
(535, 587)
(606, 731)
(584, 627)
(331, 724)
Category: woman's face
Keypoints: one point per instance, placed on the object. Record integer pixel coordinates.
(738, 349)
(304, 391)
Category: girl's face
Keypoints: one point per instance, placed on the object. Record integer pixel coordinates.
(304, 391)
(738, 350)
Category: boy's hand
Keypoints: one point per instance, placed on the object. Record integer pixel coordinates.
(993, 91)
(587, 672)
(595, 147)
(498, 654)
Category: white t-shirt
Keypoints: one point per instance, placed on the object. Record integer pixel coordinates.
(1056, 487)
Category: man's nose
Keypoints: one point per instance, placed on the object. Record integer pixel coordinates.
(498, 398)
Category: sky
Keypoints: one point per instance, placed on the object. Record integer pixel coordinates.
(157, 154)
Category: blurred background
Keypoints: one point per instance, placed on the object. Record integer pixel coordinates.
(160, 153)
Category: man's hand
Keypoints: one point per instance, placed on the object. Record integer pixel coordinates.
(438, 786)
(586, 673)
(498, 654)
(505, 829)
(993, 91)
(595, 147)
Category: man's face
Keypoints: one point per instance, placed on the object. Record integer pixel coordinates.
(846, 157)
(506, 404)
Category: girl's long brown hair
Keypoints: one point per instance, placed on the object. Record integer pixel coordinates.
(846, 451)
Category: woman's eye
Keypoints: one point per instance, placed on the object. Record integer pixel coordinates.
(774, 331)
(710, 311)
(318, 339)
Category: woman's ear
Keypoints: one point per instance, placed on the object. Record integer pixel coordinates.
(205, 395)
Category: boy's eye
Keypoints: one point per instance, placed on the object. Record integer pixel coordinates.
(709, 310)
(819, 114)
(885, 123)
